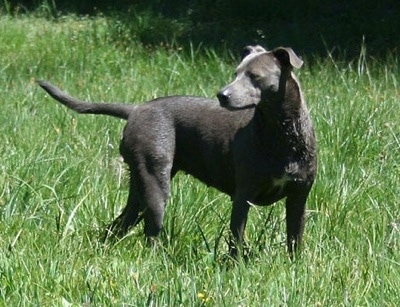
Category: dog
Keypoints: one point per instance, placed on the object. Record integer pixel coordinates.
(256, 143)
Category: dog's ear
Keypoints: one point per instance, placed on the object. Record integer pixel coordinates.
(251, 49)
(287, 57)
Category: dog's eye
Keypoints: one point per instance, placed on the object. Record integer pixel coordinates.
(253, 76)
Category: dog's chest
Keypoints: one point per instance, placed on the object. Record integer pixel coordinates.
(269, 191)
(279, 183)
(272, 187)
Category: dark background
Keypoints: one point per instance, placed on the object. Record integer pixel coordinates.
(310, 27)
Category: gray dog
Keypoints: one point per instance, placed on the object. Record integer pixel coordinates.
(256, 144)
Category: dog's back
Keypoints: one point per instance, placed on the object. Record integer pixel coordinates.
(195, 132)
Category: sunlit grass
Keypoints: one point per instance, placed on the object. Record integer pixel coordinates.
(61, 182)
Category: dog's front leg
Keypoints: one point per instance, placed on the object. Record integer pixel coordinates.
(239, 213)
(295, 217)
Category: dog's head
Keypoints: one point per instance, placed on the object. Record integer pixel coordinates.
(257, 76)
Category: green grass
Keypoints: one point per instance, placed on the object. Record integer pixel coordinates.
(61, 182)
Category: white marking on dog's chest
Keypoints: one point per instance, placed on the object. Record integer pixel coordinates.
(280, 182)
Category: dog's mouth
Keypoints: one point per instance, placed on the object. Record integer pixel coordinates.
(225, 101)
(237, 108)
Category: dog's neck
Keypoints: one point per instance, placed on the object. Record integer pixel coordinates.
(282, 120)
(287, 103)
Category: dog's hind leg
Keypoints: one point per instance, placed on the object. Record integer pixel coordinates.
(148, 194)
(155, 193)
(129, 216)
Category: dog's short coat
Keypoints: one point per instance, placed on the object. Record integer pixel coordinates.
(256, 144)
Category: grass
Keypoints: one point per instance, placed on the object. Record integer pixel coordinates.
(61, 182)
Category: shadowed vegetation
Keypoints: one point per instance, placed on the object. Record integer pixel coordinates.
(310, 27)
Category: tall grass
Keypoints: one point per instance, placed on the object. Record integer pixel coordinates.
(61, 182)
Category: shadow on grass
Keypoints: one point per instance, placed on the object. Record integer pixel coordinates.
(310, 27)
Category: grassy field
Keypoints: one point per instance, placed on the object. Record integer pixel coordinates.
(62, 181)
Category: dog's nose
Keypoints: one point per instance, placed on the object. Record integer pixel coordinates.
(223, 97)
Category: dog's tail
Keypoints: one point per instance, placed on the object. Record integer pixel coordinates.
(112, 109)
